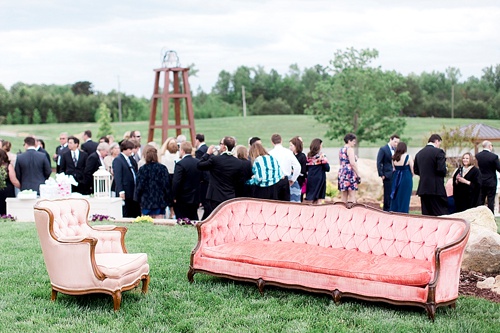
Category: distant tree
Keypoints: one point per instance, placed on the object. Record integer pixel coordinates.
(17, 116)
(9, 119)
(104, 120)
(360, 99)
(51, 117)
(26, 119)
(82, 88)
(492, 76)
(37, 118)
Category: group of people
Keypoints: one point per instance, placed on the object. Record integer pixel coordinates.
(472, 183)
(176, 178)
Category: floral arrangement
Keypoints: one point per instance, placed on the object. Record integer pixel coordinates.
(7, 218)
(144, 219)
(186, 221)
(99, 217)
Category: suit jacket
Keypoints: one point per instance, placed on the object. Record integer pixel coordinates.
(59, 151)
(123, 176)
(47, 155)
(186, 181)
(430, 165)
(32, 169)
(226, 173)
(77, 171)
(200, 151)
(384, 162)
(92, 165)
(89, 147)
(488, 164)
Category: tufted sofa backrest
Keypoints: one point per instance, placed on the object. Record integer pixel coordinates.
(332, 225)
(70, 216)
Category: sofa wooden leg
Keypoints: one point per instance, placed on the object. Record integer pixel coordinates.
(117, 300)
(53, 295)
(431, 310)
(145, 284)
(190, 275)
(337, 295)
(261, 284)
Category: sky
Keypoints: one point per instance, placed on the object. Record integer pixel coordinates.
(116, 44)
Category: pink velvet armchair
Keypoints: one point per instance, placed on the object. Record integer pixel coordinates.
(82, 259)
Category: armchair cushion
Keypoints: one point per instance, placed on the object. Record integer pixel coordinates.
(115, 265)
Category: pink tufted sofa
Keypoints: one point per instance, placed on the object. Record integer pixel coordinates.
(82, 259)
(340, 249)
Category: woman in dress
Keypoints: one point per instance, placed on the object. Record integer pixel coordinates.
(8, 182)
(152, 186)
(466, 184)
(348, 173)
(317, 167)
(296, 192)
(114, 150)
(244, 190)
(266, 173)
(402, 179)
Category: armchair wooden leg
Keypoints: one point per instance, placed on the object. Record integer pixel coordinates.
(117, 299)
(145, 284)
(53, 295)
(190, 274)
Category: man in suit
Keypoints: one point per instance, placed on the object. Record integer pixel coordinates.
(385, 168)
(88, 146)
(94, 161)
(186, 184)
(226, 173)
(488, 164)
(73, 163)
(201, 149)
(135, 136)
(32, 167)
(430, 165)
(63, 146)
(125, 173)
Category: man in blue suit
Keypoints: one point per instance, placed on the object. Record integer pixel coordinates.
(125, 173)
(32, 167)
(385, 169)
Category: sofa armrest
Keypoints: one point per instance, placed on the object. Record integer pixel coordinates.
(110, 240)
(448, 261)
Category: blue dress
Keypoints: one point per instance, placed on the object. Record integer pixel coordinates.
(402, 186)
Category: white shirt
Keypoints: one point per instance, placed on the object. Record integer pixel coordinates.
(287, 161)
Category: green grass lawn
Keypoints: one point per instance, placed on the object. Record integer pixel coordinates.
(416, 132)
(208, 305)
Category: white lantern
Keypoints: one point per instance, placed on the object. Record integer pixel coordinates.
(102, 183)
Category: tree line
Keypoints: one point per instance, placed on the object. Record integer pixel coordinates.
(299, 91)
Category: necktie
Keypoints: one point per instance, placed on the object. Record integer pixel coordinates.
(131, 167)
(74, 158)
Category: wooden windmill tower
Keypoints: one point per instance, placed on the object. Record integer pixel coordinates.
(178, 95)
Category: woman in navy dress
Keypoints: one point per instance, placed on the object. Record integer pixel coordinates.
(317, 167)
(296, 147)
(402, 179)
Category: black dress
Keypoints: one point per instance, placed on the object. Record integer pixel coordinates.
(7, 192)
(467, 196)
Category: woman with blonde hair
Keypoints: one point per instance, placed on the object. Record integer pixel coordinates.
(169, 155)
(114, 150)
(266, 173)
(466, 184)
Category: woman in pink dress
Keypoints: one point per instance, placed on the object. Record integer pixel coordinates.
(348, 173)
